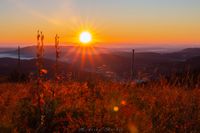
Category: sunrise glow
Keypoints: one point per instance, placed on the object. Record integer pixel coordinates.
(137, 22)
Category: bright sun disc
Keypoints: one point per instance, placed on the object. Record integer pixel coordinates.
(85, 37)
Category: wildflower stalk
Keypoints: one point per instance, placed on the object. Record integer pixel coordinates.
(57, 55)
(40, 73)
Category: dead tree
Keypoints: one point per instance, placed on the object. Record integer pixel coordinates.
(57, 56)
(19, 60)
(19, 63)
(132, 64)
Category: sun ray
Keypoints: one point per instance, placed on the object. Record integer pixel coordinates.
(77, 55)
(90, 57)
(83, 52)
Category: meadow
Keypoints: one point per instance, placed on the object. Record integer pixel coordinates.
(100, 107)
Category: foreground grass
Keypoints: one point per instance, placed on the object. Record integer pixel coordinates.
(103, 106)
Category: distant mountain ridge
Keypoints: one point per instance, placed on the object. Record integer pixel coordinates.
(70, 51)
(195, 50)
(118, 62)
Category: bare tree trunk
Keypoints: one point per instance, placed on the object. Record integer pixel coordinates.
(19, 64)
(132, 64)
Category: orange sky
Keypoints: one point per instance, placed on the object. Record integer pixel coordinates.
(131, 22)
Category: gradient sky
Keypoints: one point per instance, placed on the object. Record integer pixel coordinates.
(172, 22)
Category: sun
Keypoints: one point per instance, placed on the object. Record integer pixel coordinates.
(85, 37)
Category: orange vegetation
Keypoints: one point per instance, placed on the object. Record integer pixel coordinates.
(111, 106)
